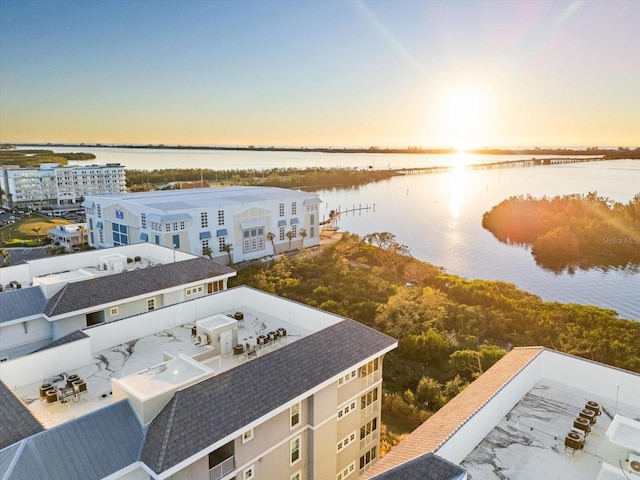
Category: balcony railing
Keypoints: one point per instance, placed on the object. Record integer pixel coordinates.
(221, 469)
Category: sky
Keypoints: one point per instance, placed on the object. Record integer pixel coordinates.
(431, 74)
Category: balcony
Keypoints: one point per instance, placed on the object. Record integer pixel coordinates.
(223, 468)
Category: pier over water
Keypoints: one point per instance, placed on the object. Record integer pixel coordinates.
(531, 162)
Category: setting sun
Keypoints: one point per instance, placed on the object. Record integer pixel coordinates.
(464, 117)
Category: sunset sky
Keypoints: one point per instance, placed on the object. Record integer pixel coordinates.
(321, 73)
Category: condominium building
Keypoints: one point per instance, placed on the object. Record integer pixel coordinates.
(44, 300)
(54, 185)
(237, 385)
(230, 224)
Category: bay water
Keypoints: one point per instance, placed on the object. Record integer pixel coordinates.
(438, 216)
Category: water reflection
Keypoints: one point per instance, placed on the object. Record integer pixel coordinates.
(458, 180)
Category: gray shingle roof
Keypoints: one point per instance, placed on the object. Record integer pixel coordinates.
(232, 399)
(16, 422)
(24, 302)
(90, 447)
(426, 467)
(112, 288)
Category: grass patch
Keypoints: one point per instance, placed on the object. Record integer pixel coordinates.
(23, 232)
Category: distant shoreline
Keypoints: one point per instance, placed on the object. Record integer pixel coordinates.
(622, 152)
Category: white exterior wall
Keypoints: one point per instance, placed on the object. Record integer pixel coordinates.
(238, 217)
(46, 363)
(16, 335)
(62, 185)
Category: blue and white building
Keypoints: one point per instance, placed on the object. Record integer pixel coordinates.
(232, 223)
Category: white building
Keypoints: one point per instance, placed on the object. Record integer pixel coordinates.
(55, 185)
(236, 385)
(252, 222)
(69, 236)
(44, 300)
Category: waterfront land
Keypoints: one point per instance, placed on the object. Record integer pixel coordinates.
(33, 158)
(572, 231)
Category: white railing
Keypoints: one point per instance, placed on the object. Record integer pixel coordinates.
(224, 467)
(369, 439)
(368, 410)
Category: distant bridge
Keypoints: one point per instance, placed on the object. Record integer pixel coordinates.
(531, 162)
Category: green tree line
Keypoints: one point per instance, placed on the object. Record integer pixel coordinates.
(33, 158)
(309, 178)
(571, 231)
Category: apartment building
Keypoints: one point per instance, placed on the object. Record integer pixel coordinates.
(231, 224)
(237, 385)
(44, 300)
(53, 185)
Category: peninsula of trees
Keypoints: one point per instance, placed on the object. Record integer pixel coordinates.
(572, 231)
(33, 158)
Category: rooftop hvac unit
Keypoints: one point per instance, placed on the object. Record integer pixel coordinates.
(202, 338)
(634, 463)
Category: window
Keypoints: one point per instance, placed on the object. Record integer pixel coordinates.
(183, 225)
(113, 311)
(194, 290)
(205, 247)
(221, 243)
(348, 440)
(368, 432)
(167, 227)
(366, 459)
(295, 450)
(248, 473)
(296, 476)
(294, 412)
(157, 240)
(143, 220)
(369, 368)
(120, 234)
(204, 220)
(247, 436)
(281, 210)
(151, 304)
(99, 211)
(294, 208)
(294, 230)
(214, 287)
(281, 232)
(369, 398)
(347, 409)
(344, 379)
(346, 471)
(220, 217)
(253, 240)
(174, 226)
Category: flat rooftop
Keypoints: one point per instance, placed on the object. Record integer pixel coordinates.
(156, 363)
(529, 442)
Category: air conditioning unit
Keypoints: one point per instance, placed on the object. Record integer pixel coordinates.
(202, 338)
(634, 463)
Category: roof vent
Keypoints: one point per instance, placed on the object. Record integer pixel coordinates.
(203, 339)
(634, 463)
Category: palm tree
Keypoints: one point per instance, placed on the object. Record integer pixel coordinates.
(5, 255)
(290, 237)
(227, 247)
(206, 251)
(37, 232)
(271, 237)
(303, 234)
(82, 229)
